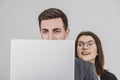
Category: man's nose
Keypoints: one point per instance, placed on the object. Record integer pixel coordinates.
(50, 36)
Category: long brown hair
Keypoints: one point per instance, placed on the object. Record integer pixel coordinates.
(99, 60)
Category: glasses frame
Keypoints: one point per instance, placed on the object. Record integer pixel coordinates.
(86, 43)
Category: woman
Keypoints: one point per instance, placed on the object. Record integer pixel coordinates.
(88, 47)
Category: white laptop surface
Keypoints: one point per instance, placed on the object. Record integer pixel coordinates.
(42, 59)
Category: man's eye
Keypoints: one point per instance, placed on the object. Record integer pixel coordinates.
(57, 31)
(44, 32)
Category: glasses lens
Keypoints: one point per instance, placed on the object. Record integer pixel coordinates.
(89, 44)
(80, 44)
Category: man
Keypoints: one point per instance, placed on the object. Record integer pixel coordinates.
(53, 25)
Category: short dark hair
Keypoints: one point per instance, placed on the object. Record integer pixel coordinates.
(52, 13)
(99, 60)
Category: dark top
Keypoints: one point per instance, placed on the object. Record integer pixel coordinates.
(108, 76)
(84, 70)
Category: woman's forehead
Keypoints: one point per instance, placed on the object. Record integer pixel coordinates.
(86, 38)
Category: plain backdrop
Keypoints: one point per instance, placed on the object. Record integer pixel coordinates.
(19, 19)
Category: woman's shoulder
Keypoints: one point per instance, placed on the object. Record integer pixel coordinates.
(83, 64)
(108, 76)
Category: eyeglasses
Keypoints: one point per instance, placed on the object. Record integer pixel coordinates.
(89, 44)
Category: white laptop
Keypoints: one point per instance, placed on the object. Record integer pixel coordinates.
(33, 59)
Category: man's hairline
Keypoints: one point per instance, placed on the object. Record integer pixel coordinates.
(55, 18)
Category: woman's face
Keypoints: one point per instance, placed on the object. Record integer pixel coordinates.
(86, 48)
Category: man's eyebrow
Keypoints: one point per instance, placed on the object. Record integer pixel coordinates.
(57, 29)
(44, 29)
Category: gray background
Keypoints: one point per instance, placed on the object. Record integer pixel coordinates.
(18, 19)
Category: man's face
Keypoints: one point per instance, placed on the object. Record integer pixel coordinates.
(53, 29)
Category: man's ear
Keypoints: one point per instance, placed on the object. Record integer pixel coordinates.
(67, 32)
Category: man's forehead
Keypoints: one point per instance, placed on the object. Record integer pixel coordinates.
(57, 22)
(51, 29)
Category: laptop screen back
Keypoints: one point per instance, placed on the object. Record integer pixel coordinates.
(42, 59)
